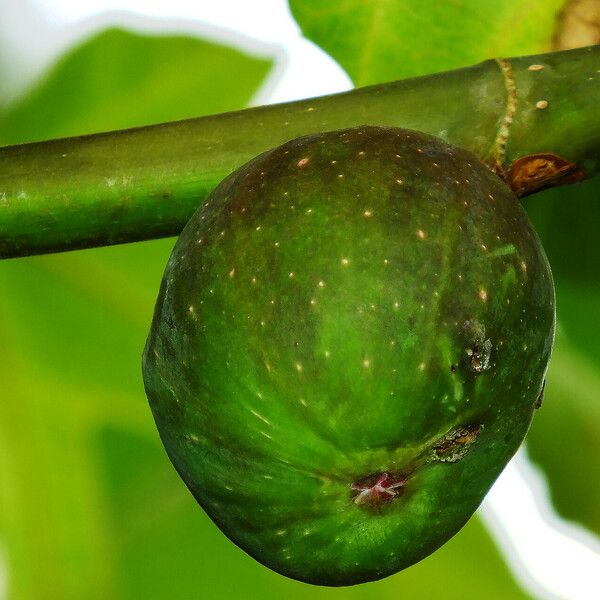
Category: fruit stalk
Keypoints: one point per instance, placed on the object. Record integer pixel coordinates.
(534, 120)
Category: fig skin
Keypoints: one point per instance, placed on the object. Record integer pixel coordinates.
(347, 347)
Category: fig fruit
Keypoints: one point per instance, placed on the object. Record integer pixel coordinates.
(347, 347)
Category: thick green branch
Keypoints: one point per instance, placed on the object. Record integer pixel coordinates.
(535, 120)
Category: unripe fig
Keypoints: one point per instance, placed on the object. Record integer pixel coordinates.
(348, 344)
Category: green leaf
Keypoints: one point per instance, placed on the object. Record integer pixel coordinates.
(73, 326)
(567, 222)
(383, 40)
(565, 436)
(119, 79)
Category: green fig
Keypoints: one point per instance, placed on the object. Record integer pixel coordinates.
(348, 344)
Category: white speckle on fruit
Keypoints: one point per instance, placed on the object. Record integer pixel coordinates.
(298, 366)
(399, 181)
(321, 284)
(291, 274)
(483, 295)
(309, 211)
(541, 104)
(368, 213)
(261, 417)
(303, 402)
(232, 273)
(523, 266)
(327, 354)
(535, 67)
(280, 532)
(258, 228)
(267, 477)
(313, 301)
(421, 234)
(254, 280)
(366, 363)
(396, 305)
(422, 366)
(340, 176)
(345, 262)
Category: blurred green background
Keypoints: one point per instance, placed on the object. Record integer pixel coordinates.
(90, 506)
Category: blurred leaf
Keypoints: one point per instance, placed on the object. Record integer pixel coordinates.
(567, 221)
(119, 79)
(565, 436)
(384, 40)
(72, 327)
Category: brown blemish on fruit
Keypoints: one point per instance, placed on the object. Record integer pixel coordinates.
(377, 489)
(454, 445)
(534, 172)
(480, 356)
(480, 348)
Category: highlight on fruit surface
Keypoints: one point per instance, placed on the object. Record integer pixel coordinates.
(348, 344)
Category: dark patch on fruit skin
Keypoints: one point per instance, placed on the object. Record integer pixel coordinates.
(454, 445)
(302, 339)
(540, 398)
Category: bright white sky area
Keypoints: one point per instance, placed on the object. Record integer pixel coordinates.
(551, 558)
